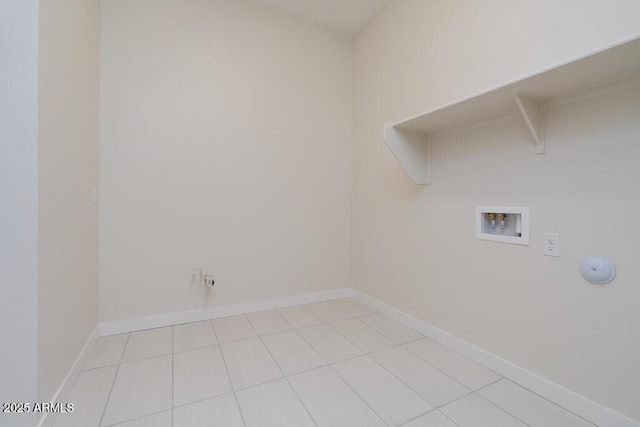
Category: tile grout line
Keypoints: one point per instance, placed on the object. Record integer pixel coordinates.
(356, 345)
(500, 408)
(135, 360)
(395, 345)
(463, 396)
(434, 407)
(368, 355)
(285, 377)
(351, 316)
(333, 305)
(269, 381)
(425, 413)
(260, 336)
(100, 367)
(301, 402)
(283, 318)
(235, 396)
(191, 349)
(439, 407)
(454, 400)
(366, 326)
(182, 405)
(303, 326)
(358, 394)
(54, 420)
(323, 321)
(394, 321)
(213, 329)
(297, 373)
(123, 351)
(473, 391)
(448, 417)
(115, 377)
(269, 333)
(199, 347)
(138, 360)
(357, 318)
(387, 370)
(490, 384)
(119, 423)
(445, 372)
(343, 380)
(542, 397)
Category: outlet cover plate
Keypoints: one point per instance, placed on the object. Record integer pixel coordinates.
(551, 244)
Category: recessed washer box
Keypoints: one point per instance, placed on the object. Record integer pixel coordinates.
(503, 224)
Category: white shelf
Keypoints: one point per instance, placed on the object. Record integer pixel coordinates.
(409, 139)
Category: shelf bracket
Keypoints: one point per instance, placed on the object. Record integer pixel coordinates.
(533, 113)
(413, 151)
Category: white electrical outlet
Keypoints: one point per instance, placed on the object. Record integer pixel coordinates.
(551, 244)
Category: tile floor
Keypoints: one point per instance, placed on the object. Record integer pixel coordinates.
(333, 364)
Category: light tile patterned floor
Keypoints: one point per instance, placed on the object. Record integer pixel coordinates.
(332, 364)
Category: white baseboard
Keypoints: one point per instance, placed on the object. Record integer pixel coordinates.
(158, 321)
(69, 380)
(588, 409)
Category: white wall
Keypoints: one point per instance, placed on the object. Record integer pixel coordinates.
(225, 134)
(414, 247)
(68, 170)
(18, 205)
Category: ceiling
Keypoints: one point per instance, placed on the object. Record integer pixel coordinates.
(342, 16)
